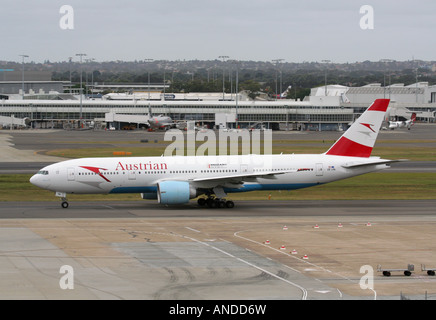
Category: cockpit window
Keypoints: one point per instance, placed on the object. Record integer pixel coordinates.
(43, 172)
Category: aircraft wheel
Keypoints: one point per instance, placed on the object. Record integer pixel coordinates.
(219, 203)
(386, 273)
(431, 272)
(407, 273)
(64, 204)
(210, 202)
(230, 204)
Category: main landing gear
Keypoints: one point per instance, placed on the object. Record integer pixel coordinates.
(212, 202)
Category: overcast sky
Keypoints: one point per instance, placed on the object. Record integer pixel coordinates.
(261, 30)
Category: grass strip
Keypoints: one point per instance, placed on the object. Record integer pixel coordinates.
(373, 186)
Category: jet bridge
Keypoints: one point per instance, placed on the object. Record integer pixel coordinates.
(13, 122)
(116, 118)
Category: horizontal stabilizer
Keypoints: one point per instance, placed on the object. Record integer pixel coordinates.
(352, 165)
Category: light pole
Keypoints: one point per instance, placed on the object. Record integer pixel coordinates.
(325, 76)
(277, 61)
(70, 59)
(22, 75)
(224, 60)
(386, 61)
(148, 72)
(92, 77)
(236, 62)
(416, 89)
(80, 90)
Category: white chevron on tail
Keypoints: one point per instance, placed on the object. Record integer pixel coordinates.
(359, 139)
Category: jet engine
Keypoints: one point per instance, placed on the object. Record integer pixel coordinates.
(175, 192)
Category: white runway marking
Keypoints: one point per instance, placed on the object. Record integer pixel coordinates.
(304, 296)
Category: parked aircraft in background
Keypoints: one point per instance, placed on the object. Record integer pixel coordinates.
(403, 123)
(160, 121)
(176, 180)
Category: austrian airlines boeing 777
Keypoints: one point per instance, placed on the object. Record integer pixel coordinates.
(176, 180)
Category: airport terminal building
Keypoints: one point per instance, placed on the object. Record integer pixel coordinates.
(281, 114)
(418, 97)
(332, 107)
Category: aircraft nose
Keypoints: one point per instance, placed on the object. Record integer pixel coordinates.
(34, 180)
(39, 181)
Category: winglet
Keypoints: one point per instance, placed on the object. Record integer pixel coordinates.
(359, 139)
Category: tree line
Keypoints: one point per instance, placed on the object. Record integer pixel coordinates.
(267, 79)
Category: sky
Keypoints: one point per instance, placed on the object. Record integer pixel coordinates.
(259, 30)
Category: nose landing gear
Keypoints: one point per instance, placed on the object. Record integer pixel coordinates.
(64, 203)
(63, 197)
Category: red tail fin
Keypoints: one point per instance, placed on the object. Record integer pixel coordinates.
(359, 139)
(413, 117)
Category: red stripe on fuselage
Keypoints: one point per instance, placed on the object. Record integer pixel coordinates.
(348, 148)
(96, 171)
(380, 105)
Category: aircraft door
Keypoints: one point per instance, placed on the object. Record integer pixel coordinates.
(319, 169)
(71, 174)
(245, 168)
(132, 175)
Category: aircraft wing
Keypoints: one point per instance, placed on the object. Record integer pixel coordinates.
(168, 124)
(236, 181)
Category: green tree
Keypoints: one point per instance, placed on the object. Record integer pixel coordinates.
(252, 87)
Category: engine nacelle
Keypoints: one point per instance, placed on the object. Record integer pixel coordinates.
(175, 192)
(149, 196)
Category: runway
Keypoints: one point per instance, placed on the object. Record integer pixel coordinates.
(248, 209)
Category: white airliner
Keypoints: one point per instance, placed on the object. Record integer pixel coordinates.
(176, 180)
(403, 123)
